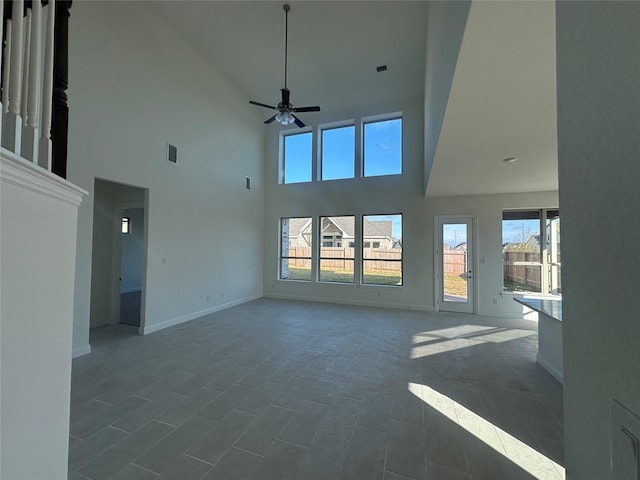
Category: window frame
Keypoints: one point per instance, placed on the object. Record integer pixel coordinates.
(352, 259)
(284, 135)
(547, 285)
(282, 257)
(371, 243)
(326, 128)
(379, 119)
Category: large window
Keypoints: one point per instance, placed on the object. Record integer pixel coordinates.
(336, 257)
(383, 147)
(338, 152)
(382, 249)
(296, 158)
(531, 250)
(296, 243)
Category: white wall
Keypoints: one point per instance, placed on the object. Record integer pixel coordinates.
(102, 247)
(38, 217)
(598, 52)
(134, 86)
(445, 29)
(391, 194)
(131, 250)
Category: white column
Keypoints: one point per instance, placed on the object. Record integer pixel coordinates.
(31, 134)
(44, 155)
(12, 123)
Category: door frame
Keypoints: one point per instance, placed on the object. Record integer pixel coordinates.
(437, 259)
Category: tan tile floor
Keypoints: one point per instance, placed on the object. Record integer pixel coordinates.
(275, 390)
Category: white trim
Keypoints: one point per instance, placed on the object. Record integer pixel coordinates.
(549, 368)
(25, 174)
(360, 303)
(147, 329)
(80, 351)
(439, 244)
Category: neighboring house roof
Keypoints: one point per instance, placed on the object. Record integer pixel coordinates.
(346, 225)
(296, 225)
(381, 228)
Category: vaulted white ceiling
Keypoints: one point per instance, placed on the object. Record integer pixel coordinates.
(503, 96)
(334, 48)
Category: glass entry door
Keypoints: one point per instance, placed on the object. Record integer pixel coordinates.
(454, 261)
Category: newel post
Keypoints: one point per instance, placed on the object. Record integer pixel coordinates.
(60, 123)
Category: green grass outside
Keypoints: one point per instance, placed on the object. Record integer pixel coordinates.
(455, 285)
(346, 276)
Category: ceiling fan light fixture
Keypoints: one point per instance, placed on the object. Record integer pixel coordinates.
(285, 118)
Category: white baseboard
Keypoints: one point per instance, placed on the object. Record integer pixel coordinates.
(80, 351)
(550, 368)
(362, 303)
(147, 329)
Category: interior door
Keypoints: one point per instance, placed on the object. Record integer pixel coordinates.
(454, 264)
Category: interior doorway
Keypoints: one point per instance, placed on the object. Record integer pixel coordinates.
(131, 253)
(118, 270)
(455, 279)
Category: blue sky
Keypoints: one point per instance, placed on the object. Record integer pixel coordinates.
(515, 231)
(454, 234)
(382, 152)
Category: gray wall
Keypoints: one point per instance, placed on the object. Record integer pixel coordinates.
(598, 58)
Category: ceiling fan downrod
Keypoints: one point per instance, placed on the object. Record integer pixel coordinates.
(286, 7)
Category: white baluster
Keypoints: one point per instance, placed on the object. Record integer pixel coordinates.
(12, 123)
(30, 133)
(4, 87)
(26, 53)
(44, 155)
(6, 69)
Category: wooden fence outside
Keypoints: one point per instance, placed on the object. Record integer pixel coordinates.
(341, 258)
(527, 276)
(454, 262)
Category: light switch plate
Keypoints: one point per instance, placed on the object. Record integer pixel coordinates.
(625, 443)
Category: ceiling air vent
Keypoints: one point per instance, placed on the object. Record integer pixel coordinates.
(172, 153)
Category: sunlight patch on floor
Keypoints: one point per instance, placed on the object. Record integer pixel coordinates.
(521, 454)
(463, 336)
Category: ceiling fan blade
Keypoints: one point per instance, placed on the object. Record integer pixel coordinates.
(261, 105)
(315, 108)
(285, 96)
(298, 122)
(269, 120)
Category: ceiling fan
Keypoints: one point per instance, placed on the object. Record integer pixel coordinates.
(286, 110)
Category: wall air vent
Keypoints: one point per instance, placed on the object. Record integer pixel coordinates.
(172, 153)
(381, 68)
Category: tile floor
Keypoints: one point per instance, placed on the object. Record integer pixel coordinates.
(276, 390)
